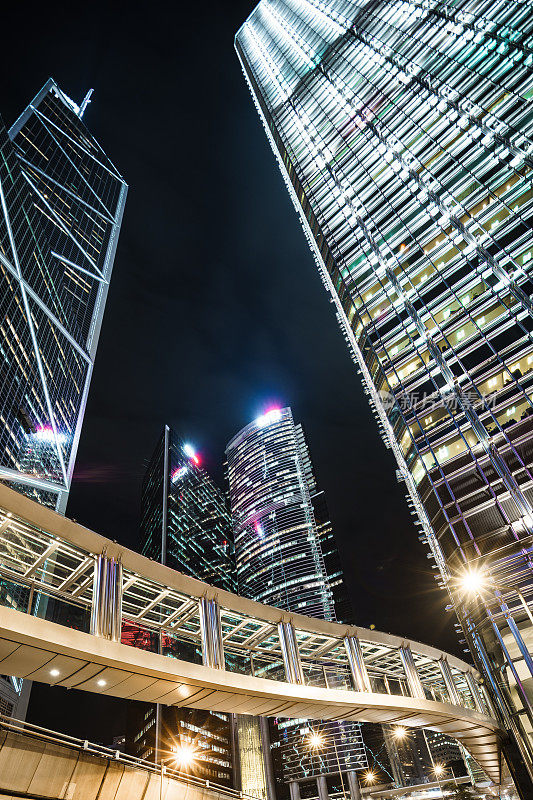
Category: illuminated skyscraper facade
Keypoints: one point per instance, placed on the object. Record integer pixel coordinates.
(61, 205)
(185, 524)
(278, 555)
(185, 521)
(403, 131)
(274, 499)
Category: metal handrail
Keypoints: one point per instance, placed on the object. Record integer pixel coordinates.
(46, 734)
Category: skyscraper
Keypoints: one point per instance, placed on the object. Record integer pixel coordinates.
(185, 524)
(185, 521)
(273, 496)
(61, 206)
(403, 131)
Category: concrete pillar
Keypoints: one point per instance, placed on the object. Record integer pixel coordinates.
(360, 677)
(322, 787)
(353, 783)
(449, 682)
(289, 651)
(294, 788)
(267, 758)
(475, 692)
(106, 611)
(411, 673)
(211, 633)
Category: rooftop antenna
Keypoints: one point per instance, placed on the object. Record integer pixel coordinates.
(86, 101)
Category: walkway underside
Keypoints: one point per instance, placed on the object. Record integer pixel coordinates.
(35, 648)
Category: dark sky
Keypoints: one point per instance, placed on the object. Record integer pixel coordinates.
(215, 307)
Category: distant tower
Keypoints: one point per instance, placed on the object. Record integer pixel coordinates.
(403, 133)
(61, 205)
(277, 550)
(185, 521)
(185, 524)
(279, 518)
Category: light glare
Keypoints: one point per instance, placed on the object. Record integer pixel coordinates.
(472, 581)
(270, 416)
(315, 740)
(185, 754)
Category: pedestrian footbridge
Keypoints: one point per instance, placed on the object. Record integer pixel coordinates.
(81, 611)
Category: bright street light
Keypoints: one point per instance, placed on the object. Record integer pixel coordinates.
(316, 740)
(184, 755)
(473, 581)
(399, 733)
(370, 776)
(438, 769)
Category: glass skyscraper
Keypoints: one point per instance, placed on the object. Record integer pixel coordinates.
(274, 500)
(185, 524)
(403, 130)
(185, 521)
(61, 205)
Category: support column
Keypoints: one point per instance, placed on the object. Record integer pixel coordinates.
(289, 651)
(353, 783)
(294, 787)
(106, 611)
(449, 682)
(474, 691)
(211, 633)
(411, 673)
(267, 758)
(357, 664)
(322, 787)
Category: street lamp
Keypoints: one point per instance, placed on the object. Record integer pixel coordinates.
(316, 740)
(370, 777)
(399, 733)
(438, 769)
(183, 756)
(474, 581)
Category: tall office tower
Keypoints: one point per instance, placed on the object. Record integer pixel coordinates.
(403, 131)
(185, 524)
(277, 552)
(280, 562)
(185, 521)
(61, 205)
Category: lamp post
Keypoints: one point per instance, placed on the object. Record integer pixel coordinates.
(439, 771)
(183, 755)
(370, 777)
(316, 740)
(474, 582)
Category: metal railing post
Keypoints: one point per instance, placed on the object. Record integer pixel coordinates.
(473, 688)
(290, 654)
(211, 633)
(106, 610)
(411, 673)
(360, 676)
(449, 682)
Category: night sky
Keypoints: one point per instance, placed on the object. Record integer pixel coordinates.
(215, 309)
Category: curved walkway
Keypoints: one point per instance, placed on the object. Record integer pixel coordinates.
(256, 659)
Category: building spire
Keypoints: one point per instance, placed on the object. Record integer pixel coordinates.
(86, 101)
